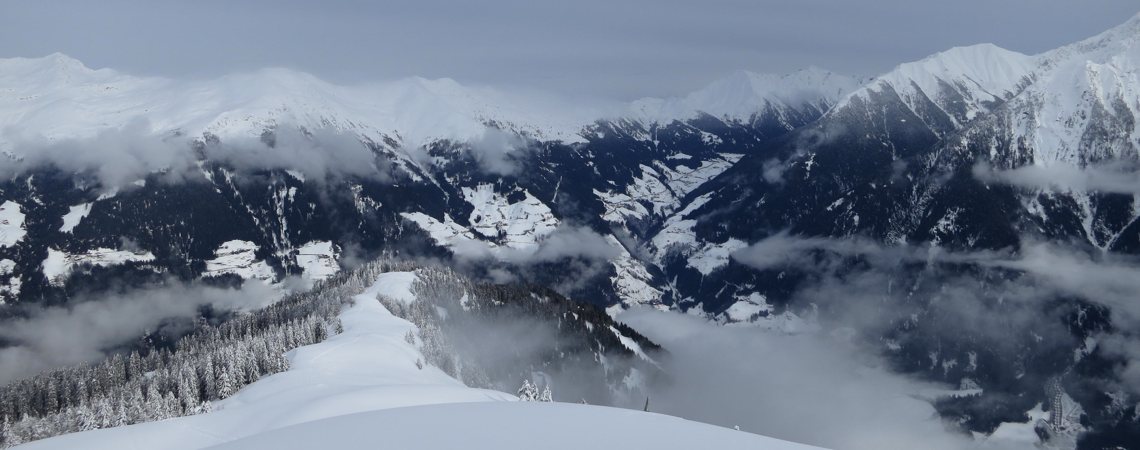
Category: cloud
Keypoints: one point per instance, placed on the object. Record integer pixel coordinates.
(318, 153)
(998, 296)
(774, 171)
(496, 151)
(1109, 278)
(116, 156)
(809, 388)
(119, 156)
(566, 241)
(783, 249)
(1108, 178)
(1112, 280)
(592, 47)
(577, 254)
(58, 336)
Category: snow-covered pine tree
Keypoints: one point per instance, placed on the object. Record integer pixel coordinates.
(527, 392)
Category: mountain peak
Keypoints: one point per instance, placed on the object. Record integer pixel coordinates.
(962, 81)
(742, 93)
(1121, 41)
(992, 68)
(53, 64)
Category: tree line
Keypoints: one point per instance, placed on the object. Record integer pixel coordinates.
(209, 364)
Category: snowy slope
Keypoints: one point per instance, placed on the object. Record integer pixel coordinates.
(502, 224)
(11, 224)
(239, 258)
(364, 384)
(74, 216)
(318, 260)
(661, 188)
(963, 81)
(1076, 120)
(368, 367)
(59, 264)
(743, 94)
(553, 426)
(58, 97)
(1082, 108)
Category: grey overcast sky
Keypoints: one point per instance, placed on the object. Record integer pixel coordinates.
(610, 48)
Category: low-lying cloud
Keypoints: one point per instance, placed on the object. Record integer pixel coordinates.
(497, 151)
(1110, 279)
(117, 157)
(318, 154)
(1115, 178)
(995, 296)
(566, 241)
(809, 388)
(85, 330)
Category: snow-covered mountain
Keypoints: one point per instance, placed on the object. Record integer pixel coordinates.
(948, 89)
(972, 148)
(463, 154)
(743, 95)
(58, 97)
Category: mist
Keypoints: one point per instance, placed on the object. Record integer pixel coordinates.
(90, 327)
(117, 157)
(832, 383)
(1048, 270)
(1118, 178)
(566, 241)
(815, 389)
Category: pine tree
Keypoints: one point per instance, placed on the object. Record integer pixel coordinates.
(527, 392)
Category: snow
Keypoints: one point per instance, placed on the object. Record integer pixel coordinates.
(318, 260)
(743, 94)
(980, 73)
(447, 233)
(57, 97)
(661, 188)
(58, 264)
(1050, 101)
(747, 310)
(521, 223)
(498, 226)
(12, 229)
(524, 224)
(631, 281)
(631, 344)
(1010, 434)
(11, 287)
(74, 216)
(394, 285)
(677, 232)
(55, 265)
(239, 257)
(298, 175)
(516, 425)
(362, 388)
(1088, 84)
(710, 257)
